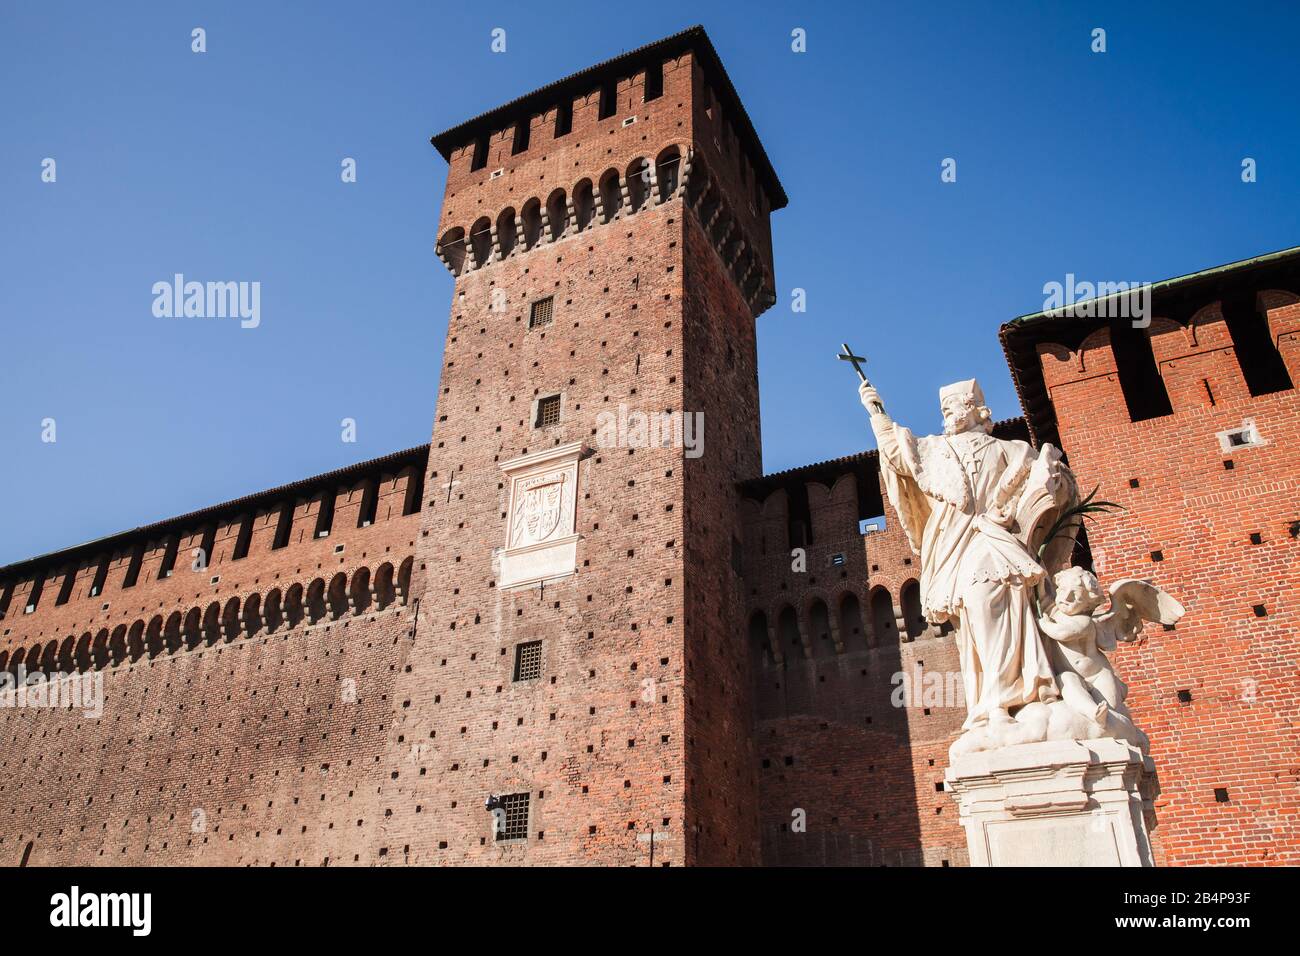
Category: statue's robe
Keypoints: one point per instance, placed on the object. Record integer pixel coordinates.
(956, 497)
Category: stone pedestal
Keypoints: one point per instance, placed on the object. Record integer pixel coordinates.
(1056, 803)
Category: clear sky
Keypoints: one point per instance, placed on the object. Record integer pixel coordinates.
(225, 165)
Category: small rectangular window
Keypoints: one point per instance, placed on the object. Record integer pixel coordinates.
(542, 312)
(528, 661)
(548, 411)
(512, 821)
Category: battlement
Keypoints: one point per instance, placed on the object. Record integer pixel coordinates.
(1222, 337)
(1190, 425)
(321, 547)
(601, 145)
(824, 510)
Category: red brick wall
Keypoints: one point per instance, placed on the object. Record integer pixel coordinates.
(848, 766)
(721, 374)
(245, 743)
(1238, 731)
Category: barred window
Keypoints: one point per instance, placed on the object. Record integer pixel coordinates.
(542, 312)
(512, 821)
(528, 660)
(548, 411)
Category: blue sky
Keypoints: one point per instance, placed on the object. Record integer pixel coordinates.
(225, 165)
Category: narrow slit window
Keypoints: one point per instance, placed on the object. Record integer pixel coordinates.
(654, 81)
(414, 491)
(369, 504)
(133, 569)
(522, 130)
(34, 598)
(325, 517)
(283, 527)
(480, 154)
(206, 547)
(1261, 363)
(608, 99)
(1139, 378)
(564, 119)
(244, 539)
(169, 557)
(65, 591)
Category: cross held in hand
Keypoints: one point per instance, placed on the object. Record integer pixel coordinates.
(848, 356)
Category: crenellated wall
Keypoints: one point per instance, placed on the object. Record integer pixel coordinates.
(856, 698)
(149, 589)
(1211, 492)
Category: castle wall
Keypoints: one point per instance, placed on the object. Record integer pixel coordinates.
(851, 745)
(243, 704)
(1217, 694)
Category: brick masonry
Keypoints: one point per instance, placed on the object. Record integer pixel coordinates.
(722, 668)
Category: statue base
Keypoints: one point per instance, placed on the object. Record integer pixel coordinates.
(1056, 803)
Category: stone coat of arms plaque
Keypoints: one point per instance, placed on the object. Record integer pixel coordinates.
(541, 535)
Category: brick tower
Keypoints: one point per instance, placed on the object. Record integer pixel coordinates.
(578, 662)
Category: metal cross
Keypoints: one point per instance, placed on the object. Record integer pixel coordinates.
(848, 356)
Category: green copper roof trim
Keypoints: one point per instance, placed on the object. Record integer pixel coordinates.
(1164, 284)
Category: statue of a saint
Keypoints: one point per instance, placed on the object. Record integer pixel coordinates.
(977, 510)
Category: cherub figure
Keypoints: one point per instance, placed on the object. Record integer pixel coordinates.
(1089, 685)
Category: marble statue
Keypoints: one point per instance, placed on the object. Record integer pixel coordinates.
(990, 519)
(1079, 636)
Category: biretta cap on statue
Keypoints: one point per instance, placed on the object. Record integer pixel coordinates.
(969, 387)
